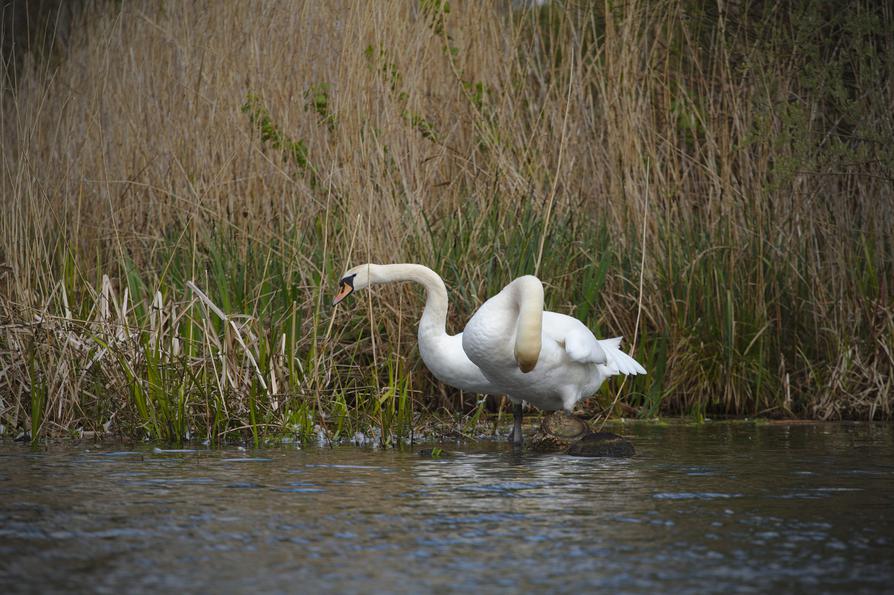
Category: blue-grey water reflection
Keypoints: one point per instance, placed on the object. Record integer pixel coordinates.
(725, 507)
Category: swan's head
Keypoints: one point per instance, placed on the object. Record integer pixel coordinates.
(527, 357)
(527, 345)
(528, 293)
(357, 278)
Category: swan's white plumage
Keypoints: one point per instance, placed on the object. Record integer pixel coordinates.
(620, 361)
(444, 357)
(579, 342)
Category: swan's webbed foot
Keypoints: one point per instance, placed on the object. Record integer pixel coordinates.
(515, 436)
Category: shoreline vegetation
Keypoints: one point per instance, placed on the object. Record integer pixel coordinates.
(182, 184)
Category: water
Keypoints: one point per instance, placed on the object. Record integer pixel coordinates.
(716, 508)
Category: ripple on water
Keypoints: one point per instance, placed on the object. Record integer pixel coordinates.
(172, 481)
(838, 489)
(483, 518)
(800, 495)
(694, 496)
(121, 453)
(247, 460)
(344, 466)
(300, 490)
(300, 487)
(509, 488)
(699, 471)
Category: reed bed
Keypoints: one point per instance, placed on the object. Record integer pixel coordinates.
(183, 183)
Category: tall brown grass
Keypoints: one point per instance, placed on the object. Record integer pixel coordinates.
(731, 160)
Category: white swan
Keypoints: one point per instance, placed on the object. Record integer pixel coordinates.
(510, 346)
(547, 359)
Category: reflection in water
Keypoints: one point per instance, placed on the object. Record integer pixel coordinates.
(718, 507)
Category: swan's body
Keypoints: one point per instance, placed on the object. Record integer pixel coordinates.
(572, 364)
(510, 346)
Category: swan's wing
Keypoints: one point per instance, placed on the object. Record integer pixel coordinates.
(577, 340)
(620, 362)
(580, 345)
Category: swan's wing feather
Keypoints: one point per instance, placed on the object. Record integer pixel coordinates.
(581, 346)
(620, 361)
(578, 341)
(610, 344)
(628, 365)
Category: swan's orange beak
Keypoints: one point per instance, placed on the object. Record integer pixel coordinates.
(344, 291)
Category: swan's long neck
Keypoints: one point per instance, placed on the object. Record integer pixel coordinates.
(526, 294)
(434, 317)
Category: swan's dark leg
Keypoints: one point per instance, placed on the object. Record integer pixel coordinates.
(516, 437)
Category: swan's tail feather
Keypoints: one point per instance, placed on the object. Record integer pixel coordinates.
(618, 361)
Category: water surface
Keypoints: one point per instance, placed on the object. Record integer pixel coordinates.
(713, 508)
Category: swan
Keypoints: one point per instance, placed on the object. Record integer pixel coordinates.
(510, 345)
(548, 359)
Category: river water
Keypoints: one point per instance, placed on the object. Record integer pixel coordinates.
(710, 508)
